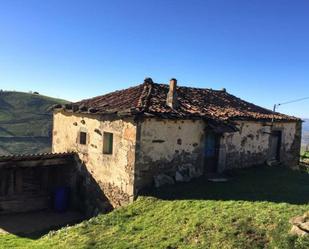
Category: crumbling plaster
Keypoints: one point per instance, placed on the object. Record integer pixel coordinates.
(250, 145)
(147, 147)
(167, 146)
(114, 173)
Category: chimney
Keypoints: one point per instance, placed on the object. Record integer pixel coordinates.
(148, 80)
(171, 100)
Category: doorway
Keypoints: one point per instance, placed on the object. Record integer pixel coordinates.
(211, 152)
(275, 145)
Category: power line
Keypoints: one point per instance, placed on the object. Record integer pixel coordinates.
(285, 103)
(293, 101)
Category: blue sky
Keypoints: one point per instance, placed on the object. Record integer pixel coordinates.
(257, 49)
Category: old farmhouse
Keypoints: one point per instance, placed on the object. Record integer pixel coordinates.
(153, 133)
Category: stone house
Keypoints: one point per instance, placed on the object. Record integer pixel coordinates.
(151, 133)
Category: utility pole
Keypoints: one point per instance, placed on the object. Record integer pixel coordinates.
(284, 103)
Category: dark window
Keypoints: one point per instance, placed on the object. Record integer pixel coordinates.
(108, 143)
(83, 137)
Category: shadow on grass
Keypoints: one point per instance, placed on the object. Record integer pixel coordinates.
(33, 225)
(85, 201)
(263, 183)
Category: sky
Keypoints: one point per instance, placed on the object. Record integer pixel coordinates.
(257, 49)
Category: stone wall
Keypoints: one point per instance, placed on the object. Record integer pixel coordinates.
(168, 146)
(250, 146)
(150, 149)
(112, 172)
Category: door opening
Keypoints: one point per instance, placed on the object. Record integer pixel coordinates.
(275, 145)
(211, 152)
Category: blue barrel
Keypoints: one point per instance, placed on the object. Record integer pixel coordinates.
(61, 199)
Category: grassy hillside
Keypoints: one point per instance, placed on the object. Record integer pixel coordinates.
(249, 211)
(25, 122)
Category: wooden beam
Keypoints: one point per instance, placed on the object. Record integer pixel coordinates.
(36, 163)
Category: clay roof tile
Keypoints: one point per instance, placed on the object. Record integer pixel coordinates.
(150, 98)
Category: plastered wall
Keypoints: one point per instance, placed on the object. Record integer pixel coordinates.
(250, 146)
(114, 173)
(169, 146)
(148, 147)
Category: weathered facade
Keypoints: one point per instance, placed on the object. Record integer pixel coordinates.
(114, 172)
(251, 145)
(154, 134)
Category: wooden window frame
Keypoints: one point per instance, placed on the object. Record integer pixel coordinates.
(108, 143)
(82, 139)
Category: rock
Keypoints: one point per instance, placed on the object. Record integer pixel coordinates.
(306, 216)
(163, 179)
(185, 166)
(297, 220)
(183, 176)
(304, 226)
(297, 231)
(300, 225)
(179, 177)
(194, 172)
(272, 162)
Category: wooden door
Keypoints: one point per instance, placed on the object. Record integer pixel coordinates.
(211, 152)
(275, 145)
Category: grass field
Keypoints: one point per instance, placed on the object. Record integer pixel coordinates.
(251, 210)
(25, 122)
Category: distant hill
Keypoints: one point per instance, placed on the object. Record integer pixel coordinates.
(25, 122)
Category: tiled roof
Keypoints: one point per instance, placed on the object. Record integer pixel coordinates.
(150, 99)
(26, 157)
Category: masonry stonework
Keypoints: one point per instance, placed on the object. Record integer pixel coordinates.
(250, 145)
(166, 133)
(167, 146)
(114, 173)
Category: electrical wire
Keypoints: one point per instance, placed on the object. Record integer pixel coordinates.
(293, 101)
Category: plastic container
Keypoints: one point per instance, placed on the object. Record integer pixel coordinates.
(61, 199)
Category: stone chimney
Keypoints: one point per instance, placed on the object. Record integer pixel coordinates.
(171, 100)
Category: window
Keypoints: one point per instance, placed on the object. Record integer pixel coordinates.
(108, 143)
(83, 137)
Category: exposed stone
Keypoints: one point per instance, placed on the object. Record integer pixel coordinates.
(179, 177)
(300, 225)
(185, 166)
(305, 226)
(297, 220)
(241, 152)
(272, 162)
(163, 179)
(114, 174)
(297, 231)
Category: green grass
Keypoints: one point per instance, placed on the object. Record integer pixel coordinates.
(250, 211)
(305, 154)
(25, 114)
